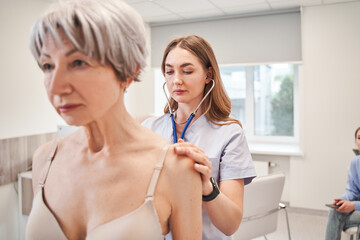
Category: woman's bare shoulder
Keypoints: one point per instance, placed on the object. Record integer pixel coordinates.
(184, 193)
(41, 155)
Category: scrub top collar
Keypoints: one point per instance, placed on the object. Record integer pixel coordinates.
(191, 129)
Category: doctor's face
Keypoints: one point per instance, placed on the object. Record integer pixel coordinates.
(357, 140)
(79, 88)
(185, 77)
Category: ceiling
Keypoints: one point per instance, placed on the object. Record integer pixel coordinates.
(160, 11)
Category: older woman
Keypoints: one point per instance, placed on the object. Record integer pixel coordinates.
(112, 178)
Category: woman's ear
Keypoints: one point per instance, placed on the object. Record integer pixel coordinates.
(129, 80)
(209, 75)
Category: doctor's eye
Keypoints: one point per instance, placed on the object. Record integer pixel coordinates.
(187, 72)
(169, 72)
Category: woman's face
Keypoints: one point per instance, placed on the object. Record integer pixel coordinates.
(357, 140)
(80, 88)
(185, 77)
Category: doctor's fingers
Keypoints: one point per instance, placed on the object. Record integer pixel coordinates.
(200, 158)
(205, 171)
(188, 150)
(188, 145)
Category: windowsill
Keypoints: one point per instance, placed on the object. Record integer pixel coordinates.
(279, 149)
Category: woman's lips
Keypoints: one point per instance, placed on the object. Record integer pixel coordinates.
(179, 91)
(68, 108)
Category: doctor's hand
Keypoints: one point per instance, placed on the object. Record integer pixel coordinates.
(345, 206)
(202, 162)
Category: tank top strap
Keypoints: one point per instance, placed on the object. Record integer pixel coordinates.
(48, 164)
(157, 170)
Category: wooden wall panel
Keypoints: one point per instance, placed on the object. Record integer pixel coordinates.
(16, 154)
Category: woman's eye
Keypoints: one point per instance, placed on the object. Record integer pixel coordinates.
(78, 63)
(188, 72)
(46, 67)
(168, 72)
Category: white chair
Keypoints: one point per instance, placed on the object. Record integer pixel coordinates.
(261, 206)
(353, 231)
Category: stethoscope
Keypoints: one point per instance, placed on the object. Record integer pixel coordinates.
(192, 115)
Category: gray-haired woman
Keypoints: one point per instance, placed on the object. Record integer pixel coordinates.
(112, 178)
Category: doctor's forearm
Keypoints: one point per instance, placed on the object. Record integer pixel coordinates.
(224, 214)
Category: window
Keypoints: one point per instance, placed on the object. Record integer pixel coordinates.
(234, 79)
(262, 98)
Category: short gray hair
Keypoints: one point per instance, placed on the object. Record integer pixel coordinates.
(109, 31)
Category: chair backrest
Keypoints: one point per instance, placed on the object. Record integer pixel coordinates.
(261, 204)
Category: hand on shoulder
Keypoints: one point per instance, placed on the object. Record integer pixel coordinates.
(202, 163)
(181, 167)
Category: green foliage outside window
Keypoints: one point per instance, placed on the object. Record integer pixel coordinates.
(282, 107)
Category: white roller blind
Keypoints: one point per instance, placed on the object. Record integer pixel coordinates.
(271, 37)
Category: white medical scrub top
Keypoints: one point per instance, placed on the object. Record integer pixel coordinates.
(226, 147)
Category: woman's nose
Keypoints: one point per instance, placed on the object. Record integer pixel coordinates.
(177, 79)
(58, 82)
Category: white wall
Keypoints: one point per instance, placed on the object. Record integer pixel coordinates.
(23, 101)
(329, 91)
(139, 96)
(24, 109)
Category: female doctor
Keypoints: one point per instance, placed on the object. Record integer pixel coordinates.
(198, 114)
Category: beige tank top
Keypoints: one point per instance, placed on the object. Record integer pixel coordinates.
(142, 223)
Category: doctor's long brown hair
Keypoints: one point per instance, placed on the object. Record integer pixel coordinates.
(217, 106)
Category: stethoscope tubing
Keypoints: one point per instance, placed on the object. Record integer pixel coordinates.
(191, 117)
